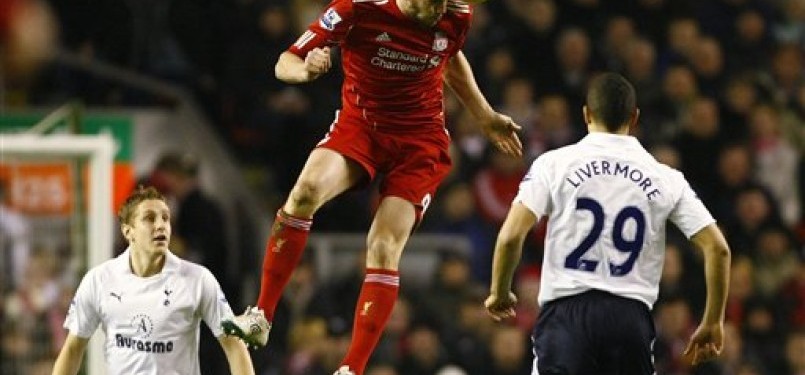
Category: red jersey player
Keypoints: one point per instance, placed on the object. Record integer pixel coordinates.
(396, 57)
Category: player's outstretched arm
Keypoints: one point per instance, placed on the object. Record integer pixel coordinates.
(499, 128)
(240, 362)
(69, 359)
(708, 339)
(290, 68)
(508, 249)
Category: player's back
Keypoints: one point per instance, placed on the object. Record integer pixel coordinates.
(609, 202)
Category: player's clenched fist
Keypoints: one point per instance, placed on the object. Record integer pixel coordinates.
(501, 307)
(318, 61)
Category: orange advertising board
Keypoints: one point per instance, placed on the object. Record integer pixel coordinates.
(39, 188)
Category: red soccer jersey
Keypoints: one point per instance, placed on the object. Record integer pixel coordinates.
(393, 65)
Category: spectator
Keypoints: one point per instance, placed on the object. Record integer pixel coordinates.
(15, 242)
(740, 98)
(510, 352)
(674, 326)
(452, 282)
(754, 210)
(762, 334)
(199, 222)
(618, 33)
(790, 27)
(751, 44)
(682, 34)
(742, 289)
(793, 300)
(778, 162)
(553, 128)
(425, 353)
(787, 73)
(574, 67)
(776, 259)
(735, 173)
(495, 186)
(679, 91)
(457, 215)
(467, 345)
(707, 61)
(640, 68)
(699, 144)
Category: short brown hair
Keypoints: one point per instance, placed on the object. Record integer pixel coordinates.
(140, 194)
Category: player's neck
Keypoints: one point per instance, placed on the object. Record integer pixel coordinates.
(145, 263)
(598, 128)
(417, 11)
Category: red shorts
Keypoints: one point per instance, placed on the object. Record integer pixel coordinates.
(413, 163)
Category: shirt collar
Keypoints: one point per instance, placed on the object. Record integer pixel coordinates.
(610, 140)
(123, 265)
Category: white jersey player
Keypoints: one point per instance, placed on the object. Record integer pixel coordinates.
(149, 303)
(608, 201)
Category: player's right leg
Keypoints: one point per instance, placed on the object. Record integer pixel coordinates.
(561, 342)
(326, 174)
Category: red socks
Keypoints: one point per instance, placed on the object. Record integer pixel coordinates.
(378, 294)
(283, 251)
(377, 298)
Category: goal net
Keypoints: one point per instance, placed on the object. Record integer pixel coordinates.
(56, 221)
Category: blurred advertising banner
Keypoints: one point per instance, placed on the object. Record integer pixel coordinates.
(39, 188)
(41, 178)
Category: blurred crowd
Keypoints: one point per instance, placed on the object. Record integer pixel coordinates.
(721, 88)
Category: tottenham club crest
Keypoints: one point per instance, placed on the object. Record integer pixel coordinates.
(439, 42)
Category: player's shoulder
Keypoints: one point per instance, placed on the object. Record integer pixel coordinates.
(190, 269)
(665, 170)
(106, 269)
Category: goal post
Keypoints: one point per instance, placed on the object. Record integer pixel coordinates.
(98, 151)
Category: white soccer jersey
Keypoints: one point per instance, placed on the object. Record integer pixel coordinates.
(607, 200)
(151, 323)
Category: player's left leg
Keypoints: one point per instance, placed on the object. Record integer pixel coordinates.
(407, 190)
(390, 230)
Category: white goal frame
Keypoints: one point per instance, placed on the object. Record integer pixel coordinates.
(100, 151)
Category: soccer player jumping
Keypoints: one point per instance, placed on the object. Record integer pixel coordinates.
(396, 57)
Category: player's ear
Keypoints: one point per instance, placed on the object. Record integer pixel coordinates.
(587, 118)
(125, 229)
(633, 121)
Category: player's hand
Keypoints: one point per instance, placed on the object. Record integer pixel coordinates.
(501, 307)
(705, 344)
(318, 62)
(502, 132)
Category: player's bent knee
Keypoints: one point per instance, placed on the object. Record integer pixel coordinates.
(306, 196)
(383, 254)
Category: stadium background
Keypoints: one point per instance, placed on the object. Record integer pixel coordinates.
(186, 88)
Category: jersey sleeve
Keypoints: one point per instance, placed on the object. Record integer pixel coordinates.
(329, 29)
(535, 191)
(464, 10)
(83, 315)
(689, 214)
(214, 307)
